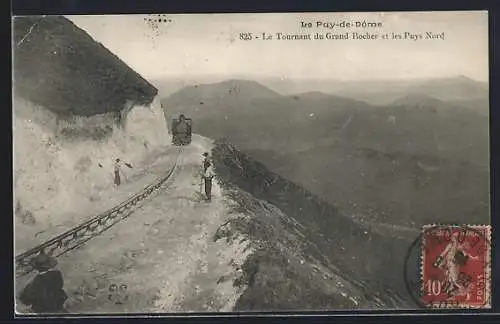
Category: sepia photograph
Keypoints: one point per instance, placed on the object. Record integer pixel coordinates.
(251, 162)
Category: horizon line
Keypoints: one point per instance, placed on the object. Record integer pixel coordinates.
(228, 77)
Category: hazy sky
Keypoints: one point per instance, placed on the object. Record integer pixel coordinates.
(209, 44)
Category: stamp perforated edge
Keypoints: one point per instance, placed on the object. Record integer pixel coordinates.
(487, 234)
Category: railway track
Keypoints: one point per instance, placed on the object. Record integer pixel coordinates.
(80, 234)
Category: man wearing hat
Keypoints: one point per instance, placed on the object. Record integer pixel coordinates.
(45, 294)
(118, 170)
(206, 161)
(208, 175)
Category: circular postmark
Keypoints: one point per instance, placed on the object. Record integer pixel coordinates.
(448, 266)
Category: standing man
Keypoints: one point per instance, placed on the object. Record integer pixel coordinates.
(118, 171)
(45, 294)
(203, 169)
(208, 175)
(206, 161)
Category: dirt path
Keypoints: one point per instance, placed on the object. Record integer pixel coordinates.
(164, 253)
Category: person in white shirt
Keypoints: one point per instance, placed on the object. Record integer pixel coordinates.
(208, 175)
(118, 171)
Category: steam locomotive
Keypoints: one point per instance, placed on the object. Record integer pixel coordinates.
(181, 130)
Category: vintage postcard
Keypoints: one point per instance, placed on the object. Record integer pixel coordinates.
(204, 163)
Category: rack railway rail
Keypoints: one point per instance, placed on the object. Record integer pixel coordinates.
(91, 228)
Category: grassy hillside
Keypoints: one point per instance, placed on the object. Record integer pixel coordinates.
(226, 96)
(415, 161)
(307, 230)
(59, 66)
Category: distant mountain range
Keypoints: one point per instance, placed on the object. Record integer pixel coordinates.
(381, 92)
(414, 160)
(378, 92)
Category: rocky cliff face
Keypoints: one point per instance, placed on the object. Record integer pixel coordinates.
(77, 107)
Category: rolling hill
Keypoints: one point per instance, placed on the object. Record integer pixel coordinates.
(416, 160)
(226, 96)
(383, 92)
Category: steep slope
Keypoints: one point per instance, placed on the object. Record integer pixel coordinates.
(309, 254)
(59, 66)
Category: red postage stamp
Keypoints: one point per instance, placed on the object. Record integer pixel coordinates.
(456, 266)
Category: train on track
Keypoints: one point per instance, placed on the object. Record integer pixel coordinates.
(181, 130)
